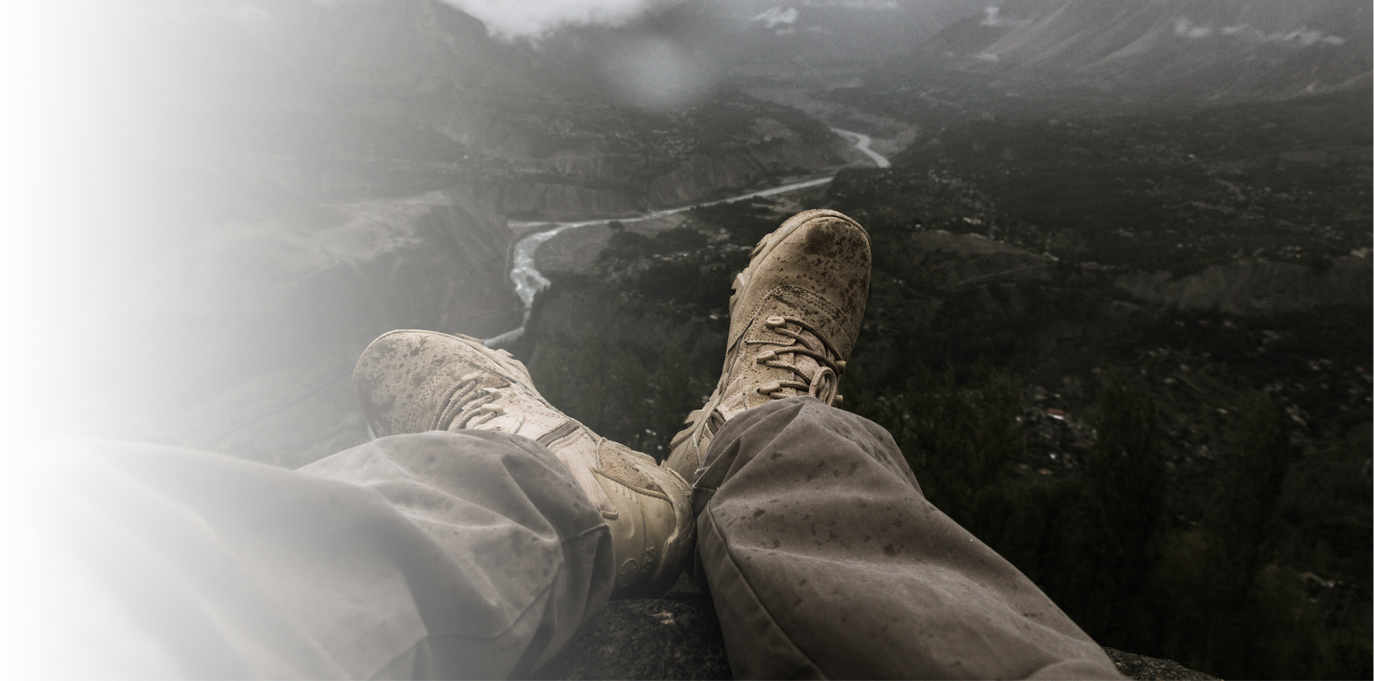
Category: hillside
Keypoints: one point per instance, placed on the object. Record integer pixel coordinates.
(1176, 49)
(165, 291)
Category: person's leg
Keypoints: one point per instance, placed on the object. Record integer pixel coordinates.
(471, 541)
(463, 555)
(411, 381)
(825, 560)
(822, 555)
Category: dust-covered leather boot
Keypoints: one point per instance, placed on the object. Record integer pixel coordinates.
(417, 381)
(794, 317)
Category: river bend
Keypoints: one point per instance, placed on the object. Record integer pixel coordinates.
(529, 281)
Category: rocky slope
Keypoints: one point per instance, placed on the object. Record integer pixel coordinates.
(1258, 287)
(164, 291)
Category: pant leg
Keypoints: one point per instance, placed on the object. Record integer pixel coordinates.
(432, 555)
(824, 559)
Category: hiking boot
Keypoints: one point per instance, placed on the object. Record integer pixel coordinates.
(794, 317)
(417, 381)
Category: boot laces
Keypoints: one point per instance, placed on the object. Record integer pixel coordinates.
(470, 405)
(823, 383)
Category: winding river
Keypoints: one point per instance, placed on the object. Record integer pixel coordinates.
(529, 281)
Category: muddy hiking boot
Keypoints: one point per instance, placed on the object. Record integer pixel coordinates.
(418, 381)
(794, 317)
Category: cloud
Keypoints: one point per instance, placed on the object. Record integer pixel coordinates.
(533, 19)
(509, 19)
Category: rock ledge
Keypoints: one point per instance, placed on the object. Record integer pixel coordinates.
(679, 638)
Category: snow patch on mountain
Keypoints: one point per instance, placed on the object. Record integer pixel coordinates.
(773, 16)
(992, 16)
(1299, 37)
(889, 5)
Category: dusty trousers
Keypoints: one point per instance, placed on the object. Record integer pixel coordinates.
(825, 560)
(475, 555)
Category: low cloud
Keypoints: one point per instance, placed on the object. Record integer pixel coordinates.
(510, 19)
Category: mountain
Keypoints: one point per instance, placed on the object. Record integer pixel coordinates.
(768, 37)
(1186, 49)
(565, 146)
(838, 33)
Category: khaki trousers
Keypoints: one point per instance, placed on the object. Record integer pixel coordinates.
(475, 555)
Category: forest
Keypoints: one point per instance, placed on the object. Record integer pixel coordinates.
(1191, 484)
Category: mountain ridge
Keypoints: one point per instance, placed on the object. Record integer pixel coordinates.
(1171, 49)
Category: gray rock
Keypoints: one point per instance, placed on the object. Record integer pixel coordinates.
(670, 638)
(679, 638)
(1144, 668)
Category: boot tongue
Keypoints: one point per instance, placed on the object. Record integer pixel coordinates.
(797, 303)
(580, 452)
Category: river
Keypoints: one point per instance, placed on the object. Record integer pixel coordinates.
(529, 281)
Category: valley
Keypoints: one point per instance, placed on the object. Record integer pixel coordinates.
(1120, 313)
(1128, 344)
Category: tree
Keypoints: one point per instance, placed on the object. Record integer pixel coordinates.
(959, 437)
(1123, 496)
(1241, 524)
